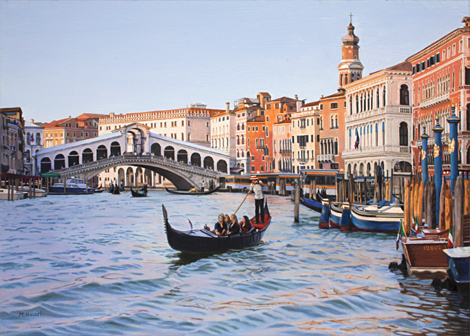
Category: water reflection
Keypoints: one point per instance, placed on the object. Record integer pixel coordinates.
(101, 265)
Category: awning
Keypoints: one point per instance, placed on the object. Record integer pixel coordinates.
(6, 176)
(236, 170)
(50, 175)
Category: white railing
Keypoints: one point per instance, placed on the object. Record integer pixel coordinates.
(377, 112)
(326, 158)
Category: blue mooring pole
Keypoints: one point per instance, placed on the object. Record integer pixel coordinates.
(424, 154)
(438, 165)
(453, 148)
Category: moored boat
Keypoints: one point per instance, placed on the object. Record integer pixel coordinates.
(335, 215)
(72, 186)
(425, 254)
(206, 241)
(459, 266)
(373, 218)
(325, 214)
(311, 204)
(181, 192)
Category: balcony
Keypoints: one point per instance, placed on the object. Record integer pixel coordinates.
(378, 112)
(326, 158)
(442, 97)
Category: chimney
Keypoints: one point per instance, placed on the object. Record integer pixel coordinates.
(466, 20)
(296, 97)
(32, 121)
(227, 108)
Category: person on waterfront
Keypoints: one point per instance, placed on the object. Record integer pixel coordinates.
(257, 188)
(245, 224)
(220, 228)
(234, 227)
(203, 185)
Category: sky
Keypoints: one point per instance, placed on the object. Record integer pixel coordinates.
(65, 58)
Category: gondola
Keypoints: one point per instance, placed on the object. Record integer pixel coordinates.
(139, 193)
(206, 241)
(194, 193)
(111, 188)
(116, 191)
(98, 190)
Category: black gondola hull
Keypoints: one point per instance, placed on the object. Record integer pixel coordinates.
(138, 193)
(202, 241)
(193, 194)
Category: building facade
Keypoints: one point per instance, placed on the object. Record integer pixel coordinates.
(378, 122)
(282, 146)
(223, 133)
(12, 140)
(34, 143)
(67, 130)
(305, 137)
(441, 77)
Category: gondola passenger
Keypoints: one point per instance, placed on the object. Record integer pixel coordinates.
(220, 228)
(245, 224)
(234, 227)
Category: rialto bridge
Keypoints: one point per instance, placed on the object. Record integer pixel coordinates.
(184, 164)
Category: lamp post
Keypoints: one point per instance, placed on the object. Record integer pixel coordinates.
(453, 148)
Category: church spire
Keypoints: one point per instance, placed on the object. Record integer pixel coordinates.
(350, 68)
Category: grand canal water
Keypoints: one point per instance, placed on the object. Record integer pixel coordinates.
(100, 265)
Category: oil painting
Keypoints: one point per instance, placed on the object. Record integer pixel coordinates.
(234, 167)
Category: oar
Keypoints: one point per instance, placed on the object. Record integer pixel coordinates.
(241, 203)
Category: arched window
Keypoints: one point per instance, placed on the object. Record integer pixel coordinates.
(336, 120)
(378, 99)
(357, 104)
(346, 78)
(243, 139)
(404, 95)
(350, 106)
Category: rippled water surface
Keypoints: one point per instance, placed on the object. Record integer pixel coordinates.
(101, 265)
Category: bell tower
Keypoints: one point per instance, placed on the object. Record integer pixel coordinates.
(350, 68)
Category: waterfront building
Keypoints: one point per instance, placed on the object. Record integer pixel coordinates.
(256, 146)
(223, 125)
(332, 108)
(305, 137)
(378, 122)
(34, 143)
(190, 124)
(12, 140)
(246, 109)
(282, 146)
(277, 111)
(67, 130)
(441, 77)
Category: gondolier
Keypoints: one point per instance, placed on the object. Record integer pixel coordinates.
(257, 188)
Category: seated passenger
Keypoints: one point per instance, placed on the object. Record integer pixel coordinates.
(192, 190)
(227, 219)
(220, 228)
(234, 227)
(245, 224)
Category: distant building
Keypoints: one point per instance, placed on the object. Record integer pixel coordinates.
(441, 77)
(306, 137)
(256, 146)
(34, 143)
(68, 130)
(12, 140)
(282, 146)
(378, 122)
(332, 108)
(223, 133)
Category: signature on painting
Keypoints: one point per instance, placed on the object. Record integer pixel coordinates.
(31, 314)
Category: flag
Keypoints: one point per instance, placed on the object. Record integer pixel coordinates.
(450, 243)
(356, 144)
(31, 138)
(416, 224)
(190, 224)
(401, 232)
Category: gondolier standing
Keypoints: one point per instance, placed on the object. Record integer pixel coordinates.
(203, 185)
(257, 188)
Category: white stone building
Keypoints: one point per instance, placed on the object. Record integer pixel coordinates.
(378, 122)
(34, 140)
(223, 126)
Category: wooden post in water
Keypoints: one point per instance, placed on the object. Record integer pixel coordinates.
(364, 190)
(313, 187)
(411, 202)
(8, 189)
(431, 206)
(420, 203)
(442, 206)
(467, 198)
(360, 193)
(425, 201)
(296, 203)
(458, 212)
(65, 185)
(390, 188)
(407, 208)
(351, 189)
(448, 209)
(387, 191)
